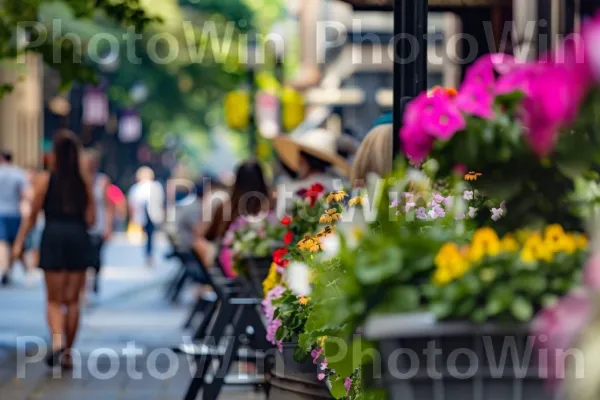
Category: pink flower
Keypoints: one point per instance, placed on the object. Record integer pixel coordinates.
(591, 36)
(519, 79)
(347, 384)
(438, 115)
(324, 365)
(481, 73)
(409, 206)
(321, 376)
(421, 213)
(460, 169)
(448, 201)
(556, 328)
(226, 259)
(503, 63)
(279, 345)
(416, 144)
(315, 354)
(591, 272)
(438, 198)
(553, 103)
(272, 330)
(475, 100)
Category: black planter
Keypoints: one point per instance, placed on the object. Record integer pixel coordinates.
(455, 360)
(257, 270)
(295, 381)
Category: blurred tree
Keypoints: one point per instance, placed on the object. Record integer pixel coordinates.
(23, 28)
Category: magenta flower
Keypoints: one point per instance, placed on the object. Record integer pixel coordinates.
(553, 103)
(416, 144)
(324, 365)
(556, 328)
(439, 116)
(347, 384)
(272, 330)
(519, 79)
(475, 100)
(591, 37)
(321, 376)
(481, 73)
(279, 345)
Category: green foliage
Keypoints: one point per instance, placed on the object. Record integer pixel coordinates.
(23, 18)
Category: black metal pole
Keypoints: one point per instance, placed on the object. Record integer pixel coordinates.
(410, 57)
(544, 31)
(569, 16)
(252, 117)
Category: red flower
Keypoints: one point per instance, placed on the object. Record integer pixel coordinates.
(317, 188)
(289, 236)
(278, 256)
(286, 221)
(284, 263)
(301, 193)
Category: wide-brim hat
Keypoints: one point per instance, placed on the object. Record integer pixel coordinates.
(318, 143)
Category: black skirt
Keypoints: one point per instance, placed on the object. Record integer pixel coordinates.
(65, 246)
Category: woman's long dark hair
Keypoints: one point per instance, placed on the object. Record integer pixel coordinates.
(67, 174)
(249, 196)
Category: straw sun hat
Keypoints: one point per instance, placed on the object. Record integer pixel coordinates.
(319, 143)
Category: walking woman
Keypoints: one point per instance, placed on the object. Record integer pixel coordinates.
(65, 195)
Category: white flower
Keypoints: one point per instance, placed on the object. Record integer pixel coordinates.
(472, 212)
(497, 213)
(331, 247)
(468, 195)
(297, 278)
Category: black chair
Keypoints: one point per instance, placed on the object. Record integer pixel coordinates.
(235, 332)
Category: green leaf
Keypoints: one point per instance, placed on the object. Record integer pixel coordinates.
(441, 309)
(522, 309)
(494, 306)
(338, 391)
(344, 359)
(300, 355)
(374, 267)
(403, 299)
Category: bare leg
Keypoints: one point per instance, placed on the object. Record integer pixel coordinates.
(55, 286)
(5, 260)
(74, 288)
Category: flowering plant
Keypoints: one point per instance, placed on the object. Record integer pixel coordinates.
(528, 127)
(506, 278)
(249, 236)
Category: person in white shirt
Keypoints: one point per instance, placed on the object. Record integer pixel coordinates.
(146, 206)
(312, 156)
(14, 184)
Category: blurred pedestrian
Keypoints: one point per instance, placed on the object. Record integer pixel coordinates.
(102, 230)
(146, 206)
(13, 184)
(374, 156)
(119, 202)
(312, 156)
(249, 196)
(65, 195)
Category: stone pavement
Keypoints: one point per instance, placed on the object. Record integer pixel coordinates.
(124, 343)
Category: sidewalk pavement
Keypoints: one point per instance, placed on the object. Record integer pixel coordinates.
(130, 311)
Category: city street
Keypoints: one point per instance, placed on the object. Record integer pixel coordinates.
(130, 313)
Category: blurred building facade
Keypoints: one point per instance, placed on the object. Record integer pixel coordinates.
(21, 111)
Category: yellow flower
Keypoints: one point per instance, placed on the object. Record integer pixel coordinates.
(315, 246)
(321, 341)
(568, 244)
(303, 300)
(271, 280)
(485, 242)
(509, 244)
(356, 201)
(450, 264)
(581, 241)
(442, 276)
(330, 215)
(336, 196)
(305, 243)
(328, 230)
(535, 249)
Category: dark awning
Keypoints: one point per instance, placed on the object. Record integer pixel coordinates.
(433, 4)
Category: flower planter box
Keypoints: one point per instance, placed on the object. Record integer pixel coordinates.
(258, 270)
(456, 360)
(295, 381)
